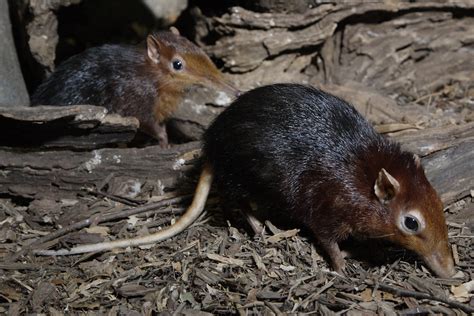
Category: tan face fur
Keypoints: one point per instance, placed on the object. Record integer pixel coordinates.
(182, 63)
(417, 221)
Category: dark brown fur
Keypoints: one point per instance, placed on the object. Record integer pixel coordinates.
(315, 158)
(133, 81)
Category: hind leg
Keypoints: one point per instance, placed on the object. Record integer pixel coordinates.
(247, 209)
(256, 225)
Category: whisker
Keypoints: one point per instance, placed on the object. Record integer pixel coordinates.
(381, 236)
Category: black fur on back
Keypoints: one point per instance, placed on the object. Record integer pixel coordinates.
(112, 76)
(292, 145)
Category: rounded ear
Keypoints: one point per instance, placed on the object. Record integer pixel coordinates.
(386, 187)
(174, 30)
(417, 160)
(153, 49)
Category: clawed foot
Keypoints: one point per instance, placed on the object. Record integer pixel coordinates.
(340, 266)
(256, 225)
(337, 257)
(161, 134)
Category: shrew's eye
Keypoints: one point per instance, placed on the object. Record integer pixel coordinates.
(411, 224)
(177, 64)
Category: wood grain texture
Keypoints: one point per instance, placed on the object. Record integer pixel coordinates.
(76, 127)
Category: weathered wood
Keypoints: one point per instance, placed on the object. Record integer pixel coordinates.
(404, 53)
(448, 157)
(42, 30)
(431, 140)
(196, 111)
(451, 171)
(78, 127)
(12, 87)
(64, 174)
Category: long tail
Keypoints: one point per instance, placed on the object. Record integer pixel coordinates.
(191, 214)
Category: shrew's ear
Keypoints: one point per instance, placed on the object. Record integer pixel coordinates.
(386, 187)
(153, 46)
(174, 30)
(417, 160)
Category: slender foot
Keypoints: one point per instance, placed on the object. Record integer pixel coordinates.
(256, 225)
(161, 134)
(337, 257)
(248, 208)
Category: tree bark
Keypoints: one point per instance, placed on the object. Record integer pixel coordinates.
(80, 127)
(12, 87)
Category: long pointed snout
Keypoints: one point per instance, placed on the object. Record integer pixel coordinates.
(218, 81)
(226, 86)
(441, 263)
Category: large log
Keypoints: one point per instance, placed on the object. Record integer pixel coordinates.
(66, 174)
(448, 155)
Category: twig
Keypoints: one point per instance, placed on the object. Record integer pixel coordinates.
(299, 281)
(100, 219)
(19, 266)
(428, 96)
(420, 295)
(376, 287)
(316, 295)
(116, 198)
(251, 304)
(12, 212)
(274, 308)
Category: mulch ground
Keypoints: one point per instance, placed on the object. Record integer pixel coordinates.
(217, 266)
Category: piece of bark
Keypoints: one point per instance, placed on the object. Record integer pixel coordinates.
(313, 22)
(42, 30)
(199, 107)
(448, 157)
(64, 174)
(79, 127)
(279, 5)
(12, 87)
(450, 171)
(408, 55)
(375, 107)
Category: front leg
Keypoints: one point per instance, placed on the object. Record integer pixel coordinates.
(161, 134)
(337, 257)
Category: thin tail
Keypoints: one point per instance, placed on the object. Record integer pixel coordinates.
(191, 214)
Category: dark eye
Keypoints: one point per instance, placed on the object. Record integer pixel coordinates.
(411, 224)
(177, 64)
